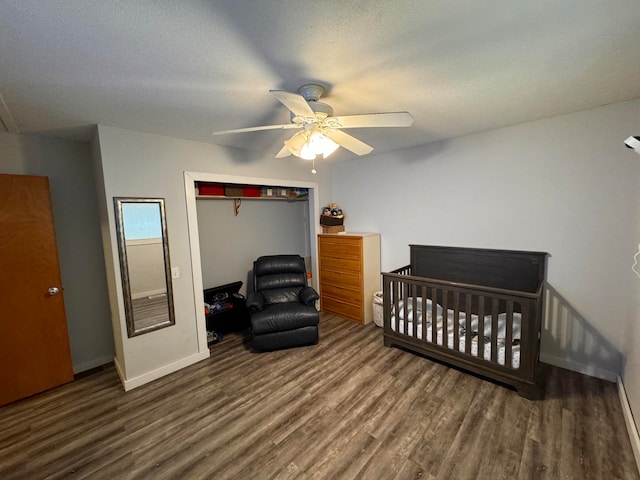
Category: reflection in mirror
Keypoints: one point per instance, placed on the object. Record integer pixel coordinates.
(144, 262)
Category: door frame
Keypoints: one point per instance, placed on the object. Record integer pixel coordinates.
(194, 236)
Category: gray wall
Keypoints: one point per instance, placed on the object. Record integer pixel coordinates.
(229, 243)
(145, 165)
(75, 214)
(565, 185)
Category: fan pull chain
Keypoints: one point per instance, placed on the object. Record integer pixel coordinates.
(313, 168)
(236, 206)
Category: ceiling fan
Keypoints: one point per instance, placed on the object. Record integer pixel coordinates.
(320, 133)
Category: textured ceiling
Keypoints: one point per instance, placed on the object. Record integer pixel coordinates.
(186, 69)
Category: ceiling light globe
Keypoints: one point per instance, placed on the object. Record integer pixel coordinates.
(306, 153)
(318, 144)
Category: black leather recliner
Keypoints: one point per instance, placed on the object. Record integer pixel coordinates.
(282, 305)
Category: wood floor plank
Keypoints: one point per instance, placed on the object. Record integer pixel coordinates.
(347, 408)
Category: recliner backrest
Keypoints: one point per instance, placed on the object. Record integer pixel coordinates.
(279, 278)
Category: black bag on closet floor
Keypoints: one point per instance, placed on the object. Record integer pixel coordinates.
(226, 309)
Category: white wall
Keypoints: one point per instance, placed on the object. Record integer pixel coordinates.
(75, 215)
(134, 164)
(229, 244)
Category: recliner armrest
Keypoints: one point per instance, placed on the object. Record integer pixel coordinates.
(255, 301)
(308, 296)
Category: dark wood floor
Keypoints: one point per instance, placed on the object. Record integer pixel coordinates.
(344, 409)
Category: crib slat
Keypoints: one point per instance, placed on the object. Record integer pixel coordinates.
(424, 312)
(494, 330)
(528, 338)
(396, 303)
(508, 340)
(456, 321)
(467, 327)
(434, 315)
(405, 297)
(414, 306)
(445, 316)
(480, 333)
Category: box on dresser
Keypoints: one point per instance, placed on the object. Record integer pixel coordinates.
(334, 229)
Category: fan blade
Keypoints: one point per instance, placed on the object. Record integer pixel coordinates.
(393, 119)
(347, 141)
(284, 152)
(294, 102)
(283, 126)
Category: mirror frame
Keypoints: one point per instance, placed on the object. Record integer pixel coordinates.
(132, 331)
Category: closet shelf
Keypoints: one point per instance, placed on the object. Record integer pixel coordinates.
(240, 197)
(212, 190)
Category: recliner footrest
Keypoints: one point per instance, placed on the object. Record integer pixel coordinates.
(282, 317)
(292, 338)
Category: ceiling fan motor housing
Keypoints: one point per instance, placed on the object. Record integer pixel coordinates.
(322, 110)
(312, 93)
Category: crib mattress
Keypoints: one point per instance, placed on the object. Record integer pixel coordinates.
(447, 323)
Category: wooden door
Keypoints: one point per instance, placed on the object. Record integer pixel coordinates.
(34, 342)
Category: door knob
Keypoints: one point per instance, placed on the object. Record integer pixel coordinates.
(53, 290)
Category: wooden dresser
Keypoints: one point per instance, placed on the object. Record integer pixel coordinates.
(349, 267)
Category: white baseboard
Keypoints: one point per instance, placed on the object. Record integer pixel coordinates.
(96, 362)
(632, 430)
(140, 380)
(579, 367)
(119, 370)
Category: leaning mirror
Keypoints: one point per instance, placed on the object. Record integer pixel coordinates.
(144, 263)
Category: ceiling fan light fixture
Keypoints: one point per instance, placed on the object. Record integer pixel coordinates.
(318, 144)
(321, 133)
(296, 143)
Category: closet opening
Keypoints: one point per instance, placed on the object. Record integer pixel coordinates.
(229, 229)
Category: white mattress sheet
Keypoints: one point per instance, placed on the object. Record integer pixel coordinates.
(448, 324)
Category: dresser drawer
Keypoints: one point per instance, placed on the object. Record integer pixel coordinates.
(345, 294)
(341, 240)
(337, 277)
(336, 263)
(346, 248)
(341, 308)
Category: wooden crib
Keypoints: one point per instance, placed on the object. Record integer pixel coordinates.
(476, 309)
